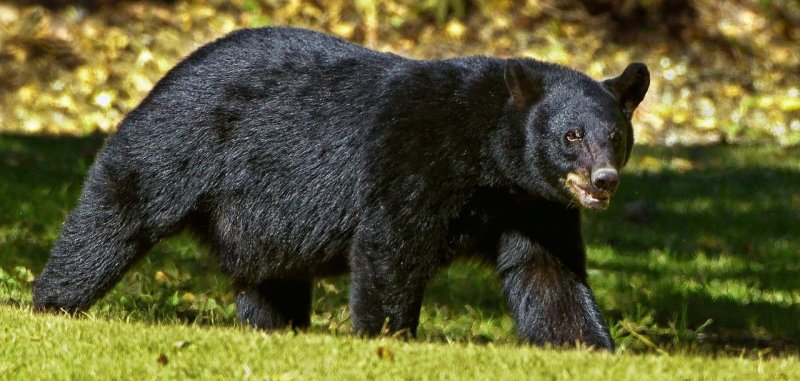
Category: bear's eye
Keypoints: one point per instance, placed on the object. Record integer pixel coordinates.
(574, 136)
(615, 136)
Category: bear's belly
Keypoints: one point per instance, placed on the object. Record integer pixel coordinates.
(260, 235)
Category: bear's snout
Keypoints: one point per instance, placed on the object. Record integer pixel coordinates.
(605, 179)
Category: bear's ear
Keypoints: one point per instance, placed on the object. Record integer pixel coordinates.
(524, 86)
(630, 87)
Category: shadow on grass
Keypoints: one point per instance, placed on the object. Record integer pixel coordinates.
(707, 233)
(40, 180)
(696, 233)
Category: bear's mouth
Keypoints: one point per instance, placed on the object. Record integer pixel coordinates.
(588, 196)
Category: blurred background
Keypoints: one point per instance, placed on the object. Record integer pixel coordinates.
(723, 71)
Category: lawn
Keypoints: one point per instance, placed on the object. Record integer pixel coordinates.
(695, 259)
(56, 347)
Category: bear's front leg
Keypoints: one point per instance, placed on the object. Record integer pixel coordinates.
(544, 278)
(387, 286)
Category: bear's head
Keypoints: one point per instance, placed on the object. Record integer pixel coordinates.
(565, 136)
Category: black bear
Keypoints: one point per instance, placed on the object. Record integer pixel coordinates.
(296, 155)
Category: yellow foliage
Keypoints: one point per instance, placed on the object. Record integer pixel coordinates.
(188, 297)
(78, 70)
(160, 277)
(104, 98)
(455, 29)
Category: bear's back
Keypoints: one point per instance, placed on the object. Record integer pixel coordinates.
(263, 133)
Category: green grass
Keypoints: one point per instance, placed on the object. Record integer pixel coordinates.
(696, 258)
(57, 347)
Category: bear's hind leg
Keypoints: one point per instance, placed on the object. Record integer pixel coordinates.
(115, 223)
(99, 241)
(276, 304)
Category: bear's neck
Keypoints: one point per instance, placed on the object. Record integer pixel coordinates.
(476, 111)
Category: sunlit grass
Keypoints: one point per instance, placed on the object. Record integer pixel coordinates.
(52, 347)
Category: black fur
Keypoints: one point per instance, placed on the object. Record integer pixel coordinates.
(297, 155)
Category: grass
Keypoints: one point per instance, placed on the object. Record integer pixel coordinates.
(695, 259)
(57, 347)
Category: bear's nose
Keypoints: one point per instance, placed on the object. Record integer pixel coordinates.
(605, 178)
